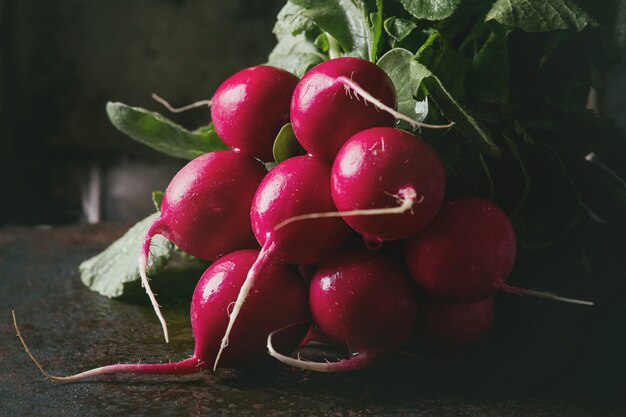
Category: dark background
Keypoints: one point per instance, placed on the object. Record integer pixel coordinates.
(60, 62)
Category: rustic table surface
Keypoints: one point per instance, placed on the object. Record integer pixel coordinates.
(69, 328)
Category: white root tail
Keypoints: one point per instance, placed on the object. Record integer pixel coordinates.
(359, 91)
(355, 362)
(541, 294)
(407, 198)
(143, 267)
(172, 109)
(265, 256)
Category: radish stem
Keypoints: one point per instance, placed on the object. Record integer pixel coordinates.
(365, 95)
(407, 200)
(265, 256)
(191, 106)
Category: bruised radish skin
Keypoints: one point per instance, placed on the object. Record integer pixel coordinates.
(297, 186)
(452, 327)
(466, 254)
(206, 208)
(377, 167)
(324, 114)
(279, 301)
(362, 302)
(250, 107)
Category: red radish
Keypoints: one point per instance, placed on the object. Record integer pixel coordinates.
(250, 107)
(363, 302)
(205, 210)
(279, 300)
(453, 327)
(298, 185)
(326, 108)
(466, 254)
(377, 167)
(324, 115)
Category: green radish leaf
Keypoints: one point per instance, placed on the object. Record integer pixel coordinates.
(322, 43)
(397, 64)
(296, 54)
(291, 20)
(442, 60)
(209, 135)
(157, 199)
(464, 121)
(108, 272)
(286, 145)
(431, 9)
(488, 78)
(376, 23)
(347, 21)
(540, 15)
(551, 205)
(399, 28)
(159, 133)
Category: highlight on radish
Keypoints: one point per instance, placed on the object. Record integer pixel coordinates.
(262, 314)
(205, 210)
(340, 97)
(249, 108)
(467, 253)
(363, 302)
(380, 166)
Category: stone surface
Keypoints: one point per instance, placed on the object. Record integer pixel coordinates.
(71, 329)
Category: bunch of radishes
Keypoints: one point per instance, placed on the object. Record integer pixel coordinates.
(360, 176)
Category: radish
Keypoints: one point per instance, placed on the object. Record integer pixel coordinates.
(279, 300)
(205, 210)
(330, 104)
(297, 185)
(466, 254)
(453, 327)
(377, 167)
(363, 302)
(250, 107)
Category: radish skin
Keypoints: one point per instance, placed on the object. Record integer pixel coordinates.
(250, 107)
(376, 165)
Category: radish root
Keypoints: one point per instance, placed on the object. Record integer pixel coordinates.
(184, 367)
(359, 91)
(357, 361)
(172, 109)
(541, 294)
(407, 198)
(265, 256)
(143, 268)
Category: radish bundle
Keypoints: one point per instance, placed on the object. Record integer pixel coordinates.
(393, 185)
